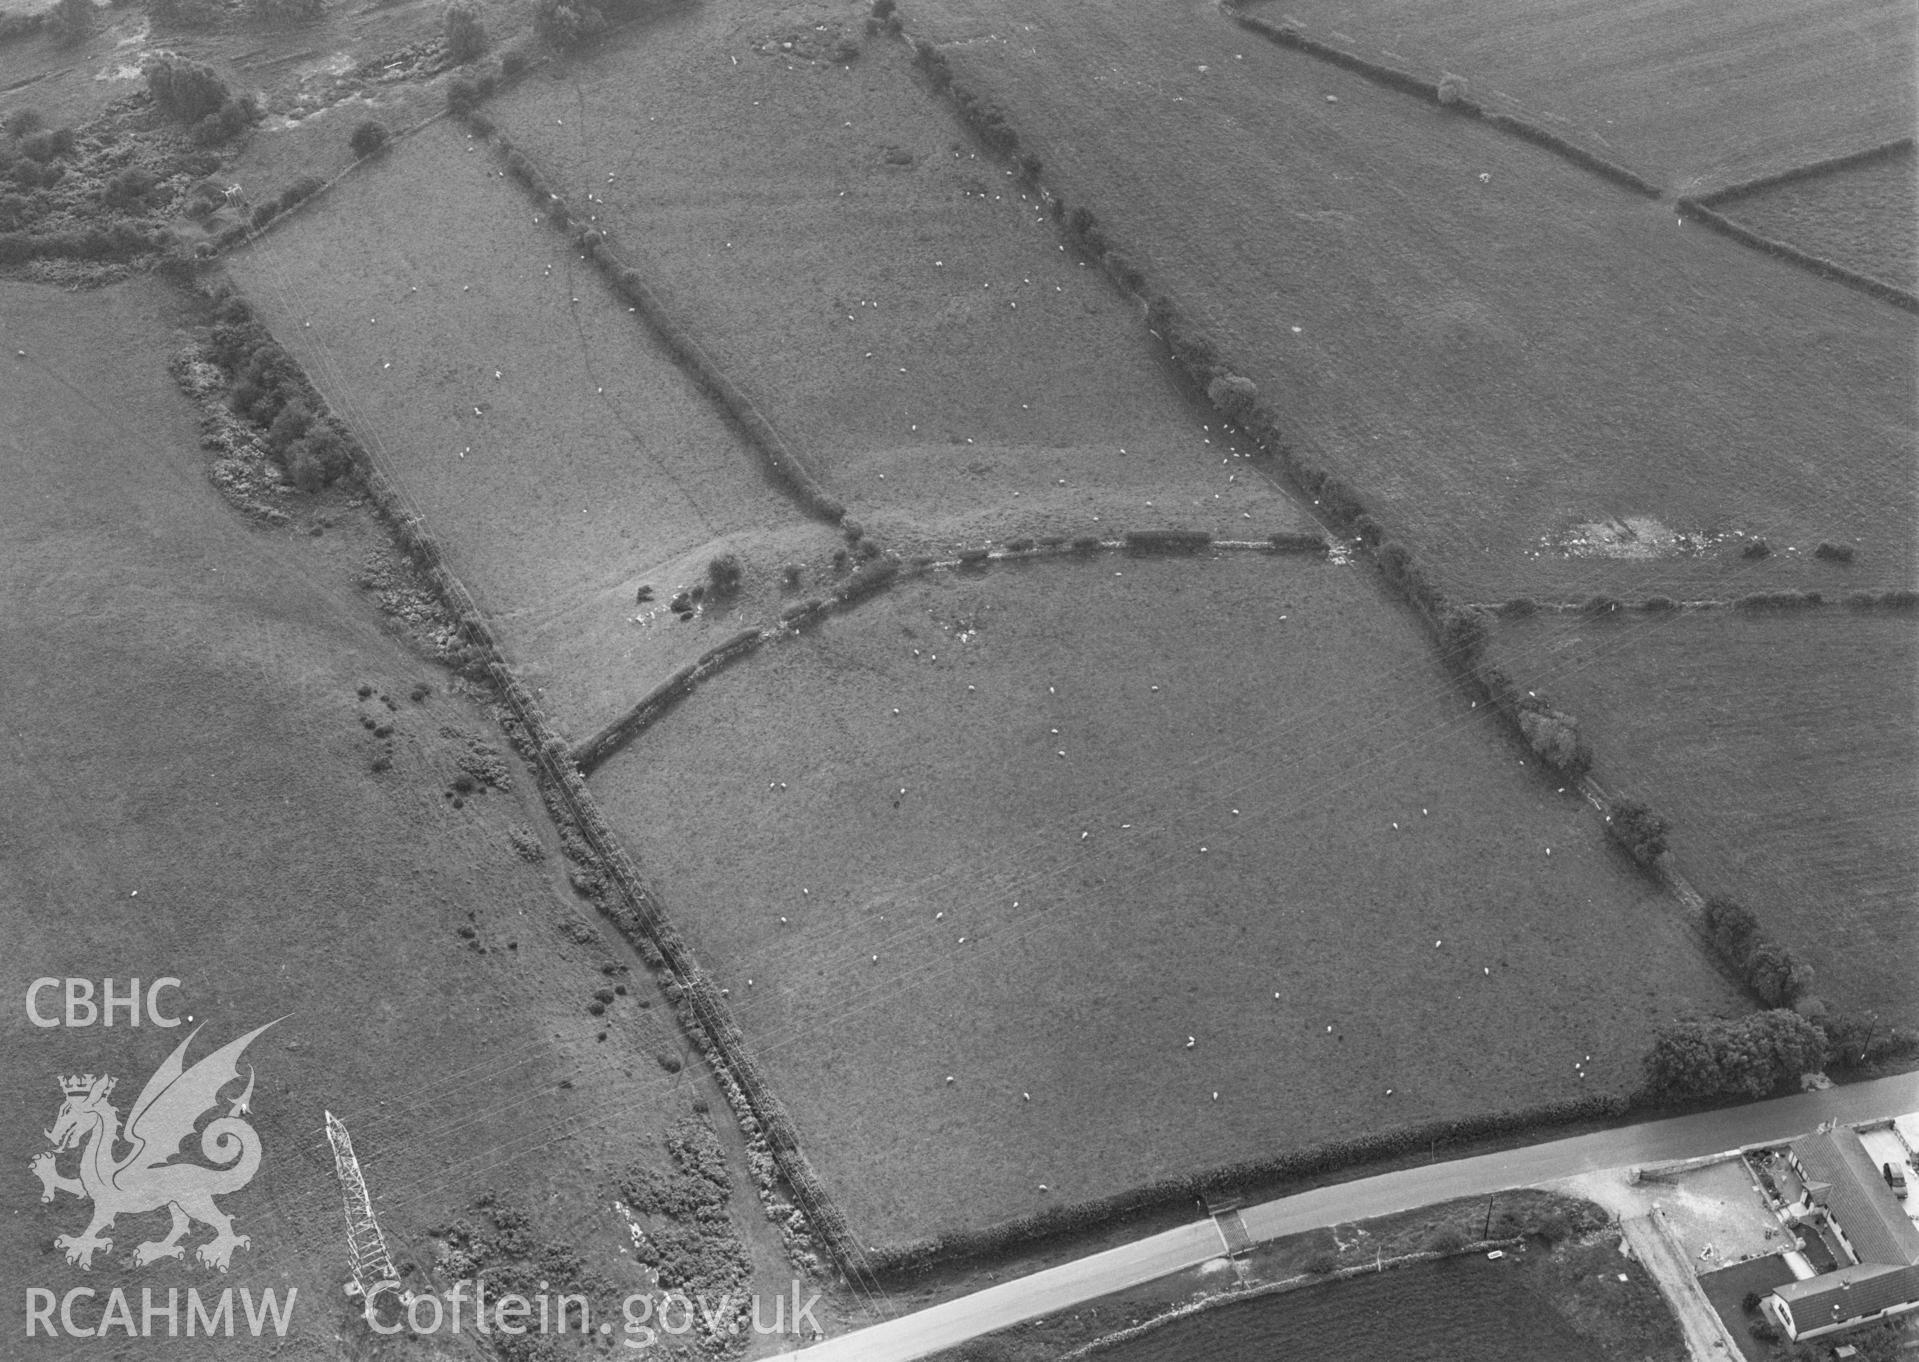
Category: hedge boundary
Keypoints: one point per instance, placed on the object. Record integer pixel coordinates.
(1459, 631)
(588, 755)
(902, 1262)
(1810, 170)
(1392, 77)
(785, 464)
(1699, 211)
(1896, 599)
(699, 1004)
(877, 575)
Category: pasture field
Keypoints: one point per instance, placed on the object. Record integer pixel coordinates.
(888, 295)
(1782, 749)
(1083, 811)
(1686, 92)
(1426, 1312)
(1496, 363)
(189, 792)
(1863, 216)
(554, 447)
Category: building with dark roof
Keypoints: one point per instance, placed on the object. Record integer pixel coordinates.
(1845, 1190)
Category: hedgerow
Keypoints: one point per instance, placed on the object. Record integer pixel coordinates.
(1751, 1057)
(1180, 1190)
(1639, 831)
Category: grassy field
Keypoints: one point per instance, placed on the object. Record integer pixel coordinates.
(890, 298)
(1431, 1312)
(1083, 811)
(1495, 362)
(557, 451)
(1862, 216)
(1782, 750)
(189, 792)
(1683, 91)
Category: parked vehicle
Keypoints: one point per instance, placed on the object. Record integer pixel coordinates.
(1896, 1179)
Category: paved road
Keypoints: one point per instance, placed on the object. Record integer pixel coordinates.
(1045, 1293)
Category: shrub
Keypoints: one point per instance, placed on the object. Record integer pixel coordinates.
(1600, 605)
(1552, 1226)
(71, 20)
(21, 122)
(1447, 1239)
(1731, 926)
(462, 93)
(1640, 831)
(227, 121)
(185, 90)
(45, 145)
(883, 9)
(1833, 553)
(1659, 605)
(1322, 1264)
(369, 137)
(302, 189)
(1755, 548)
(724, 574)
(514, 60)
(465, 32)
(670, 1061)
(1452, 89)
(1519, 607)
(290, 425)
(564, 24)
(1232, 395)
(1752, 1057)
(1462, 636)
(1555, 739)
(263, 213)
(129, 186)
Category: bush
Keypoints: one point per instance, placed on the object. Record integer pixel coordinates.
(369, 137)
(1462, 636)
(302, 189)
(514, 60)
(1752, 1057)
(1659, 605)
(1555, 739)
(724, 575)
(465, 32)
(1732, 928)
(462, 94)
(565, 24)
(1232, 395)
(186, 90)
(48, 143)
(1553, 1227)
(1452, 89)
(1640, 831)
(1445, 1240)
(129, 187)
(21, 122)
(1755, 548)
(1833, 553)
(1600, 605)
(70, 20)
(1322, 1264)
(1519, 607)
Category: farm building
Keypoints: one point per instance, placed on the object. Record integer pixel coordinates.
(1845, 1191)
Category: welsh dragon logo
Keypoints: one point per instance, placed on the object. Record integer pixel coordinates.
(146, 1178)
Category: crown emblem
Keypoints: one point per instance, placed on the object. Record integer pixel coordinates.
(79, 1085)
